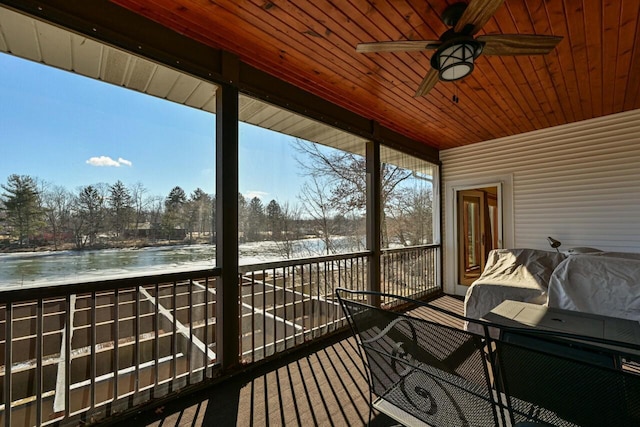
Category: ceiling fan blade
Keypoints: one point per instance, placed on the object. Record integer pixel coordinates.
(477, 13)
(518, 44)
(399, 46)
(428, 82)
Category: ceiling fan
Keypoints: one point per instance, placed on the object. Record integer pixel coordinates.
(456, 49)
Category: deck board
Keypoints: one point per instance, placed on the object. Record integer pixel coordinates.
(323, 385)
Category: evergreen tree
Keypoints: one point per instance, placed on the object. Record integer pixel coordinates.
(255, 219)
(274, 219)
(90, 208)
(120, 205)
(21, 202)
(242, 217)
(176, 198)
(174, 215)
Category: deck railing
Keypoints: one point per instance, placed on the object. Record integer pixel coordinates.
(78, 353)
(287, 303)
(129, 341)
(410, 272)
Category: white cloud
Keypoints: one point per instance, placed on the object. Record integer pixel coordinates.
(254, 193)
(108, 161)
(124, 162)
(102, 161)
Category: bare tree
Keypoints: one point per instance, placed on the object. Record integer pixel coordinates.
(57, 203)
(139, 203)
(200, 206)
(315, 199)
(344, 174)
(156, 209)
(346, 179)
(288, 224)
(410, 215)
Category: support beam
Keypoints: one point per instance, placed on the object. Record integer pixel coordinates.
(374, 214)
(227, 307)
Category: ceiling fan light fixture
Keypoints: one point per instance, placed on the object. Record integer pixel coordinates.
(454, 60)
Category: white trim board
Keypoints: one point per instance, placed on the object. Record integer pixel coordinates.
(505, 187)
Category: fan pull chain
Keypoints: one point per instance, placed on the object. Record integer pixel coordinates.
(455, 95)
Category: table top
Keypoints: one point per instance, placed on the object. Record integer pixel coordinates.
(526, 315)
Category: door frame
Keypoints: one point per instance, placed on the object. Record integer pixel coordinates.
(504, 183)
(479, 195)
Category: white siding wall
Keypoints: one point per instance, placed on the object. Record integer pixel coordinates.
(579, 183)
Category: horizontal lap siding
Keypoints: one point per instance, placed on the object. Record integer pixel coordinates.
(579, 183)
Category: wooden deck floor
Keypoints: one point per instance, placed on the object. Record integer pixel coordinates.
(322, 386)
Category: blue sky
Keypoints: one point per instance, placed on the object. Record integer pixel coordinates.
(73, 131)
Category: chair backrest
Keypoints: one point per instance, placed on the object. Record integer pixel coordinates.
(419, 368)
(427, 372)
(569, 382)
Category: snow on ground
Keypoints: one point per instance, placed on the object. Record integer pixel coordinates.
(55, 268)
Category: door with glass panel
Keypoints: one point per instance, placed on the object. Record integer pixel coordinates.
(477, 223)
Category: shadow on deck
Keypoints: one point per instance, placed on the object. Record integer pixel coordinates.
(320, 385)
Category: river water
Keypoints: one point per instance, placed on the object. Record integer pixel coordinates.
(26, 269)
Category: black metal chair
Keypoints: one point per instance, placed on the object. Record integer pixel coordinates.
(422, 372)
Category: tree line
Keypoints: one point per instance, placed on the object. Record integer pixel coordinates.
(331, 203)
(33, 212)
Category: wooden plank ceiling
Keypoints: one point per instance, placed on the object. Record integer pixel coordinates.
(594, 71)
